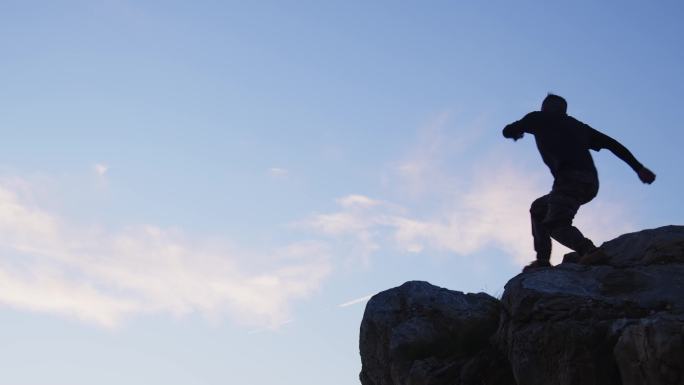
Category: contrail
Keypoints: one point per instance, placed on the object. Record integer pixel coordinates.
(355, 301)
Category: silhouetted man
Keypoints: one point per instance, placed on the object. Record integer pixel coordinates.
(564, 143)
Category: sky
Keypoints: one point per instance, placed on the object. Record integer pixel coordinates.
(208, 192)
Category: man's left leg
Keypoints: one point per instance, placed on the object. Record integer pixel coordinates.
(540, 234)
(562, 210)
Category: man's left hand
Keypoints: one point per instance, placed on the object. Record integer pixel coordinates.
(647, 176)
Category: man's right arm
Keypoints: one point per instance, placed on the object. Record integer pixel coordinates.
(517, 129)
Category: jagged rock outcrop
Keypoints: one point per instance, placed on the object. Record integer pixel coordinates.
(418, 333)
(621, 323)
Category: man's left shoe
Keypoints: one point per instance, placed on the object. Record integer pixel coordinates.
(538, 264)
(596, 257)
(572, 257)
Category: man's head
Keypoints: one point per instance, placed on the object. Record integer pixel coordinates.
(555, 104)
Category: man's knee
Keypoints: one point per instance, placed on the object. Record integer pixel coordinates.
(557, 223)
(559, 217)
(561, 211)
(539, 208)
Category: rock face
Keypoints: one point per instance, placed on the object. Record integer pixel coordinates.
(418, 333)
(620, 323)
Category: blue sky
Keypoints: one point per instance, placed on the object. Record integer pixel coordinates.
(206, 192)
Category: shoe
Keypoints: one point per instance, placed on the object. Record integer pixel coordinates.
(538, 264)
(572, 257)
(596, 257)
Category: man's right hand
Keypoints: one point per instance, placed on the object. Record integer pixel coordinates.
(647, 176)
(511, 132)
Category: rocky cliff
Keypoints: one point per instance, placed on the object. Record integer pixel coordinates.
(618, 323)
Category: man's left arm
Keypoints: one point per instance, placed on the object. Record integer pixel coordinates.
(600, 140)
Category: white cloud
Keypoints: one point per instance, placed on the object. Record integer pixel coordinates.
(460, 203)
(418, 168)
(432, 164)
(278, 172)
(358, 220)
(100, 169)
(358, 201)
(489, 209)
(49, 265)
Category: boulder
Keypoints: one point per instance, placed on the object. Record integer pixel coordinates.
(568, 324)
(651, 351)
(616, 324)
(418, 333)
(662, 245)
(560, 325)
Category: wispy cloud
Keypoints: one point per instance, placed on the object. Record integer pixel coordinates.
(459, 210)
(358, 220)
(102, 276)
(106, 276)
(491, 212)
(356, 200)
(433, 163)
(419, 166)
(277, 172)
(100, 169)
